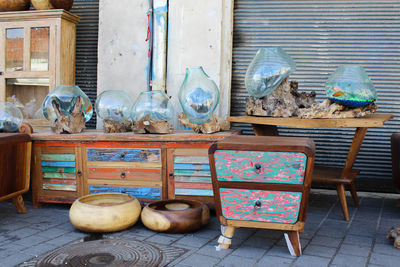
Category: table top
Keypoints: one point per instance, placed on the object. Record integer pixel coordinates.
(373, 120)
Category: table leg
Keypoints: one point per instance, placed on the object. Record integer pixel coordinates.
(293, 243)
(18, 202)
(265, 130)
(343, 202)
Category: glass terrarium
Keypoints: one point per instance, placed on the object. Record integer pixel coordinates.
(10, 117)
(267, 70)
(350, 86)
(152, 105)
(114, 105)
(65, 97)
(198, 95)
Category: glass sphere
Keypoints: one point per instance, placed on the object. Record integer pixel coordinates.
(114, 105)
(267, 70)
(65, 96)
(10, 117)
(155, 104)
(198, 95)
(350, 86)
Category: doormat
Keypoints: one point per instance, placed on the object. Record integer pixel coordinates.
(108, 252)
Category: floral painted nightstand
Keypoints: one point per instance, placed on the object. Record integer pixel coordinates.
(262, 182)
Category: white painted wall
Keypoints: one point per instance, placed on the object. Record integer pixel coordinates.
(199, 34)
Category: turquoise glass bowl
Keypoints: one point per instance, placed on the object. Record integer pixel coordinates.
(267, 70)
(152, 104)
(114, 105)
(198, 95)
(350, 86)
(65, 96)
(10, 117)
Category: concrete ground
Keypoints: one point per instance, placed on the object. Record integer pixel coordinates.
(328, 240)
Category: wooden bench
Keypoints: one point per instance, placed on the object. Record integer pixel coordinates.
(262, 182)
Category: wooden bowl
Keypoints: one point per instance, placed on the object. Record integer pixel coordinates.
(104, 212)
(14, 5)
(52, 4)
(175, 216)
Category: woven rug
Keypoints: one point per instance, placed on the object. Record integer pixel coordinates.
(108, 252)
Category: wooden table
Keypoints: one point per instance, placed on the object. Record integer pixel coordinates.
(339, 176)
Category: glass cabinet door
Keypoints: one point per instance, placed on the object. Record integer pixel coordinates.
(14, 49)
(39, 50)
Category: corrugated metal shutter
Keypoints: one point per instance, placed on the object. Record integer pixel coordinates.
(86, 49)
(320, 35)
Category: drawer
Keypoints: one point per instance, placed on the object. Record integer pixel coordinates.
(260, 166)
(274, 206)
(137, 192)
(124, 155)
(124, 173)
(58, 172)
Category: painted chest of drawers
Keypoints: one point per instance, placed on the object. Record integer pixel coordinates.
(149, 167)
(262, 182)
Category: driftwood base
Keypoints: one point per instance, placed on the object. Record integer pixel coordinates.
(394, 235)
(213, 125)
(330, 110)
(72, 123)
(284, 101)
(117, 127)
(146, 125)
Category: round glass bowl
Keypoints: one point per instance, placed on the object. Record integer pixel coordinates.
(350, 86)
(267, 70)
(65, 96)
(10, 117)
(154, 105)
(198, 95)
(114, 105)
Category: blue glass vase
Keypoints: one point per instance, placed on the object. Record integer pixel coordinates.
(350, 86)
(65, 96)
(198, 95)
(114, 105)
(154, 104)
(267, 70)
(10, 117)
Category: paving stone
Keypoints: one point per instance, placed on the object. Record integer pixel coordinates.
(356, 250)
(258, 242)
(23, 232)
(14, 259)
(270, 234)
(236, 261)
(274, 261)
(200, 260)
(52, 232)
(207, 233)
(307, 260)
(358, 240)
(319, 251)
(161, 239)
(40, 249)
(326, 241)
(243, 233)
(387, 249)
(385, 260)
(249, 252)
(349, 260)
(279, 251)
(192, 241)
(210, 250)
(32, 240)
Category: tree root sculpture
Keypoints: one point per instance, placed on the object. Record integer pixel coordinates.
(117, 127)
(284, 101)
(71, 123)
(212, 125)
(394, 235)
(147, 125)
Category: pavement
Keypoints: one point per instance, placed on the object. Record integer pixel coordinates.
(328, 240)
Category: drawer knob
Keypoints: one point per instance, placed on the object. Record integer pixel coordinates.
(79, 172)
(122, 156)
(258, 166)
(171, 174)
(257, 204)
(123, 175)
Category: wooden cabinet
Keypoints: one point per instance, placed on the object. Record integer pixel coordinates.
(37, 53)
(149, 167)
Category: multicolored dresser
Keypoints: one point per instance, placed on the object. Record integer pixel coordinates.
(262, 182)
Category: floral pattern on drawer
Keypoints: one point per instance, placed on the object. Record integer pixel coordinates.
(260, 166)
(261, 206)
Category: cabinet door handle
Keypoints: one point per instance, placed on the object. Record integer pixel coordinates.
(123, 175)
(257, 204)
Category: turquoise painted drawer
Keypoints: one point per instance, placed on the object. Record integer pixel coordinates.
(259, 205)
(260, 166)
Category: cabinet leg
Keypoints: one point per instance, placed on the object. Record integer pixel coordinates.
(353, 192)
(293, 243)
(343, 202)
(19, 204)
(226, 238)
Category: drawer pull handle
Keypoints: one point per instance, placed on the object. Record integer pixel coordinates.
(123, 175)
(79, 172)
(258, 166)
(257, 204)
(122, 156)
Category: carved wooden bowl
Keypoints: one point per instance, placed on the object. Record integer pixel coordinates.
(104, 212)
(14, 5)
(175, 216)
(52, 4)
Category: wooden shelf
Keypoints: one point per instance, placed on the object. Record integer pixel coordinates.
(325, 174)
